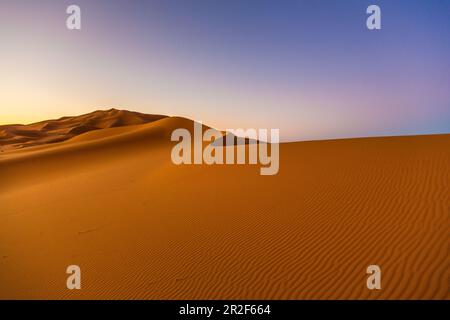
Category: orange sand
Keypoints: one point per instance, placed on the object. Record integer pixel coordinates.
(112, 202)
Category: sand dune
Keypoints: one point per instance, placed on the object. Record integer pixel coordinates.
(112, 202)
(50, 131)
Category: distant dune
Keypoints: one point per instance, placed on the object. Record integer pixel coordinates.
(110, 200)
(50, 131)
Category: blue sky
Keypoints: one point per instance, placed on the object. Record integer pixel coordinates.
(310, 68)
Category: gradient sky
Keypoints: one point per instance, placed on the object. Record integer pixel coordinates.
(310, 68)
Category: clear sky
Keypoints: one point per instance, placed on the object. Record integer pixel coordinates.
(310, 68)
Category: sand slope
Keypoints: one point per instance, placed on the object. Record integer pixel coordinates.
(139, 226)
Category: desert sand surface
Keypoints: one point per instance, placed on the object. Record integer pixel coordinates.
(140, 227)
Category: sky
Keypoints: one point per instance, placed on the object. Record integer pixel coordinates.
(309, 68)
